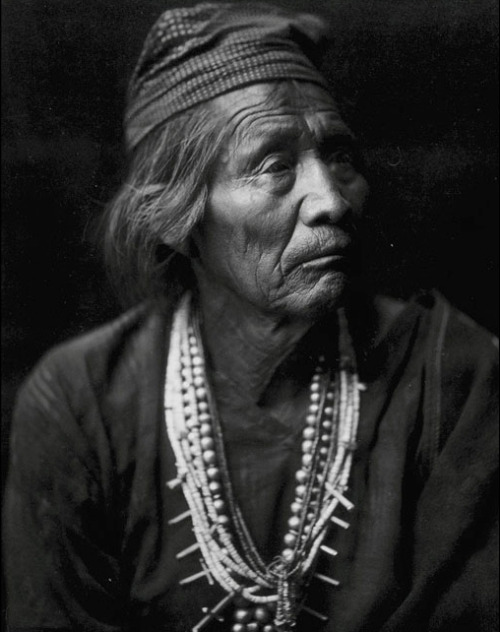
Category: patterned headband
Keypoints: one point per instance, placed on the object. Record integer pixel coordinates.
(194, 54)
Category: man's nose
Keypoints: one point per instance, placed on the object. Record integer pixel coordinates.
(323, 200)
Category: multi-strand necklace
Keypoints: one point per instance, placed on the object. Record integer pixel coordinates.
(267, 597)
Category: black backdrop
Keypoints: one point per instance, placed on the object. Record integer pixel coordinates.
(421, 83)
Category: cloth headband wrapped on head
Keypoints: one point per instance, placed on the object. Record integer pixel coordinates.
(194, 54)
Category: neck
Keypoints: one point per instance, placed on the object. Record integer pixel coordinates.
(243, 343)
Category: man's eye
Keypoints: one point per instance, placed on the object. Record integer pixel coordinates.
(276, 167)
(344, 164)
(343, 156)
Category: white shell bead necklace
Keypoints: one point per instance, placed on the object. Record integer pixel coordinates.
(267, 597)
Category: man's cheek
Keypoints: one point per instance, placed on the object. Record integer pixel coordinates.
(270, 235)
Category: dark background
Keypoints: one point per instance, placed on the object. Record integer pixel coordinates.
(420, 79)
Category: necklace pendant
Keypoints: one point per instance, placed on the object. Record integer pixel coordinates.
(326, 579)
(180, 517)
(174, 483)
(315, 613)
(193, 578)
(286, 608)
(187, 551)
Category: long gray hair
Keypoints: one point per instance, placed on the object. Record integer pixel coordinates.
(147, 224)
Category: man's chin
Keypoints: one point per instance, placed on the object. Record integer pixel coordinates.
(317, 300)
(327, 303)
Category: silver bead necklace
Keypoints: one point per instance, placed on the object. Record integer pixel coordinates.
(267, 597)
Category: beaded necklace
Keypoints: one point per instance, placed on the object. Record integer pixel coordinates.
(267, 597)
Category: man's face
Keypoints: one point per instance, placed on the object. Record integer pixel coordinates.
(283, 202)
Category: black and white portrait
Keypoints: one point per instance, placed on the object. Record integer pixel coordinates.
(250, 270)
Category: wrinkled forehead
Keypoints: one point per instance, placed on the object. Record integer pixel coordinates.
(289, 107)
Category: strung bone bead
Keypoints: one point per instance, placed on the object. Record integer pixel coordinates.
(205, 429)
(203, 407)
(328, 550)
(268, 628)
(308, 433)
(315, 397)
(326, 579)
(328, 411)
(300, 490)
(311, 420)
(215, 487)
(253, 626)
(173, 483)
(326, 424)
(223, 520)
(315, 613)
(205, 419)
(301, 476)
(307, 460)
(219, 505)
(209, 457)
(201, 393)
(313, 408)
(239, 627)
(307, 446)
(287, 555)
(195, 356)
(294, 522)
(242, 615)
(296, 507)
(213, 473)
(261, 614)
(207, 443)
(341, 523)
(198, 381)
(290, 539)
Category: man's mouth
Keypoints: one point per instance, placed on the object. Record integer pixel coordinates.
(335, 257)
(338, 262)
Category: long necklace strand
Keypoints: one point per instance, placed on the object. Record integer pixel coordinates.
(229, 555)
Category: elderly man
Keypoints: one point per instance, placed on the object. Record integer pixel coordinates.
(260, 444)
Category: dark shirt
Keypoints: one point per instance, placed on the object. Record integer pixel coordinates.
(86, 540)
